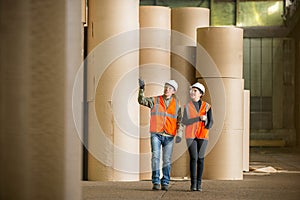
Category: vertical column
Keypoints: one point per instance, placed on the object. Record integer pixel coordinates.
(113, 137)
(74, 57)
(14, 69)
(220, 66)
(184, 24)
(246, 134)
(297, 89)
(40, 150)
(155, 30)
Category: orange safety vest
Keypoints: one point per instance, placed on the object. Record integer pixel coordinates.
(197, 129)
(164, 119)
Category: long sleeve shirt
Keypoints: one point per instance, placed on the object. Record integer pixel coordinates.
(149, 102)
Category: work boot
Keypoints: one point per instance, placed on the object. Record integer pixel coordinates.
(156, 187)
(165, 187)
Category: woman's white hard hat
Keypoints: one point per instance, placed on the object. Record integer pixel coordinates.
(199, 86)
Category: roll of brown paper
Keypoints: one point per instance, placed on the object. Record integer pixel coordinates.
(184, 24)
(233, 90)
(224, 162)
(226, 97)
(224, 46)
(112, 83)
(246, 133)
(186, 20)
(40, 149)
(155, 38)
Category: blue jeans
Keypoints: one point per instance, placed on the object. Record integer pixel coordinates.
(157, 141)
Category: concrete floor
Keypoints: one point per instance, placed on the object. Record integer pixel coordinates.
(284, 183)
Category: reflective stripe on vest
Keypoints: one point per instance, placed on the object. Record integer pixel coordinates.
(197, 129)
(164, 119)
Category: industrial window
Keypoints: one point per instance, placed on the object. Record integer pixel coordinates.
(269, 75)
(259, 13)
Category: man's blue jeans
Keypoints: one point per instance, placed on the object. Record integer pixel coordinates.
(158, 141)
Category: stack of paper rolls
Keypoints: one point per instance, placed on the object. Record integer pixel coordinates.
(184, 24)
(219, 68)
(40, 148)
(113, 136)
(155, 39)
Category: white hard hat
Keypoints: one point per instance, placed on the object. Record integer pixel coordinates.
(173, 84)
(199, 86)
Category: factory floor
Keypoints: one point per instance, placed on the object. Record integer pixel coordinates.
(274, 174)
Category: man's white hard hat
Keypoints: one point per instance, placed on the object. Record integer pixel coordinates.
(173, 83)
(199, 86)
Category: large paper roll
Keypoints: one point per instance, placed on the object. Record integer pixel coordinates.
(219, 64)
(226, 97)
(225, 161)
(246, 133)
(113, 40)
(155, 16)
(184, 23)
(220, 52)
(186, 20)
(40, 150)
(233, 100)
(155, 27)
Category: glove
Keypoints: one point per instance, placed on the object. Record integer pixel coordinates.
(203, 118)
(141, 84)
(178, 139)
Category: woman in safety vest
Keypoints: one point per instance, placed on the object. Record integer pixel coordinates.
(197, 118)
(165, 123)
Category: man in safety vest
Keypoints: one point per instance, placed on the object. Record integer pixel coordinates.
(197, 118)
(165, 123)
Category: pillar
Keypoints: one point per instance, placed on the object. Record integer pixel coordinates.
(246, 134)
(184, 24)
(155, 32)
(220, 66)
(112, 70)
(40, 150)
(297, 89)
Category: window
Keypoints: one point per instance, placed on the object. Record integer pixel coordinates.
(269, 74)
